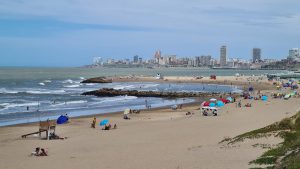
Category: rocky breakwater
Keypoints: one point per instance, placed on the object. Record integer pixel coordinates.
(108, 92)
(97, 80)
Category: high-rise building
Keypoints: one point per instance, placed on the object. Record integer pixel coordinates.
(256, 55)
(223, 56)
(135, 59)
(140, 60)
(157, 56)
(294, 54)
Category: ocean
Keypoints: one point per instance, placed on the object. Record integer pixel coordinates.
(34, 94)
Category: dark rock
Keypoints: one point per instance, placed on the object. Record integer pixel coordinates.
(108, 92)
(97, 80)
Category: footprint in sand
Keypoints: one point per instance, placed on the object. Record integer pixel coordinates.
(194, 148)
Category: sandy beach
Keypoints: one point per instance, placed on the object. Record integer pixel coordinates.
(154, 139)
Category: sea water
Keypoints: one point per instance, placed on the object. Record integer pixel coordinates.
(34, 94)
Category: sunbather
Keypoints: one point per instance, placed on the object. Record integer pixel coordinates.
(36, 152)
(126, 117)
(43, 153)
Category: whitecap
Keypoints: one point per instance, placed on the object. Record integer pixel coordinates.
(47, 81)
(4, 90)
(118, 87)
(22, 104)
(42, 84)
(73, 86)
(45, 91)
(81, 78)
(68, 81)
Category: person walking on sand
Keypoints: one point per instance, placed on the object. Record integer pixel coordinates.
(93, 125)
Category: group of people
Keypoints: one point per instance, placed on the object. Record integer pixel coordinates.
(106, 127)
(39, 152)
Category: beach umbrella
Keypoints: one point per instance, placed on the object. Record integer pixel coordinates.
(212, 104)
(62, 119)
(220, 104)
(103, 122)
(213, 100)
(206, 104)
(264, 98)
(251, 89)
(229, 99)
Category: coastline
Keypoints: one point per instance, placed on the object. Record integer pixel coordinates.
(155, 138)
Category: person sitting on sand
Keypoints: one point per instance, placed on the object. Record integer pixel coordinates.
(188, 113)
(126, 117)
(93, 125)
(43, 152)
(107, 127)
(36, 152)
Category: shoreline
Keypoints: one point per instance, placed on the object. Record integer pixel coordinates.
(155, 138)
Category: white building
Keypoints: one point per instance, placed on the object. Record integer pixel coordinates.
(294, 54)
(223, 56)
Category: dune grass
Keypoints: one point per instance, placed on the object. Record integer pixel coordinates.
(285, 155)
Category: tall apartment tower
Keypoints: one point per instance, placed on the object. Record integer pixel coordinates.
(135, 59)
(223, 56)
(256, 55)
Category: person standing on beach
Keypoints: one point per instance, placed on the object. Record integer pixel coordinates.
(93, 125)
(146, 103)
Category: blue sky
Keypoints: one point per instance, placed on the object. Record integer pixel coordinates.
(71, 32)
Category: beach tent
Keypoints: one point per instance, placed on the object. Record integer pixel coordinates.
(212, 104)
(103, 122)
(287, 96)
(220, 104)
(229, 99)
(293, 93)
(127, 111)
(264, 98)
(223, 100)
(205, 104)
(213, 100)
(62, 119)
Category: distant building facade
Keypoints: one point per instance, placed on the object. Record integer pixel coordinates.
(256, 55)
(135, 59)
(223, 56)
(294, 54)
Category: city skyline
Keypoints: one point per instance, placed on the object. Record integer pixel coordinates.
(69, 33)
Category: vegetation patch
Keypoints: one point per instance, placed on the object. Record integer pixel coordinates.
(285, 155)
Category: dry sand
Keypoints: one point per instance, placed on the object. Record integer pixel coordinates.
(155, 139)
(258, 82)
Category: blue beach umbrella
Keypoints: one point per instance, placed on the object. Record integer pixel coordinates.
(103, 122)
(212, 104)
(264, 98)
(220, 104)
(62, 119)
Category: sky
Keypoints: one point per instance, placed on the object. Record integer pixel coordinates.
(72, 32)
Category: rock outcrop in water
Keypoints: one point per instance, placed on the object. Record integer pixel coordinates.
(97, 80)
(108, 92)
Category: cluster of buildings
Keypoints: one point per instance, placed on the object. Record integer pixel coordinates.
(223, 62)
